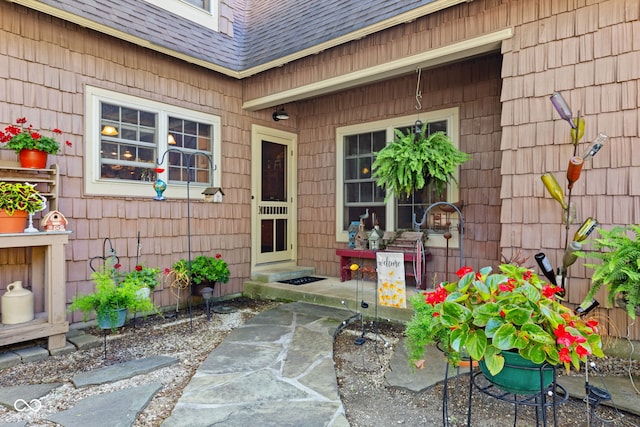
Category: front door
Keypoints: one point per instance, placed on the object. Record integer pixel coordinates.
(273, 196)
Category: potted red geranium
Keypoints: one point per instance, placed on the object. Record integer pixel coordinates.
(31, 146)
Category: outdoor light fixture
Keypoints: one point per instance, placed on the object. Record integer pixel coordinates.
(207, 293)
(280, 114)
(109, 131)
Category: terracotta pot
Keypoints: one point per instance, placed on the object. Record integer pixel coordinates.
(15, 223)
(33, 159)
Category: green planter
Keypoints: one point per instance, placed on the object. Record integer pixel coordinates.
(519, 375)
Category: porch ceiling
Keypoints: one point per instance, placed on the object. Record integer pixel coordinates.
(486, 43)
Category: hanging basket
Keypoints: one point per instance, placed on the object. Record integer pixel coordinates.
(15, 223)
(33, 159)
(519, 375)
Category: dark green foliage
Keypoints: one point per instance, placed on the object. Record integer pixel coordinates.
(619, 269)
(412, 161)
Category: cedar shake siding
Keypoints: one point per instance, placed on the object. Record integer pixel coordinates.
(588, 50)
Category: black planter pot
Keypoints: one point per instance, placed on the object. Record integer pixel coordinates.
(196, 289)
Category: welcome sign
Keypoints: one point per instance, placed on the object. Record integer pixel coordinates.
(392, 287)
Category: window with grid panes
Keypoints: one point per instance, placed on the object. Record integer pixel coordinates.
(357, 190)
(148, 132)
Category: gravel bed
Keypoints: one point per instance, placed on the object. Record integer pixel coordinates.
(368, 400)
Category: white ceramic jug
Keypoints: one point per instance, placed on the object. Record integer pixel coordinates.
(17, 304)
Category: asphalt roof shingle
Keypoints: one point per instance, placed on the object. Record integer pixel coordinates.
(263, 30)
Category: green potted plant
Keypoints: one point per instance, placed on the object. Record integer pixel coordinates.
(413, 160)
(203, 271)
(31, 146)
(491, 317)
(111, 298)
(17, 200)
(145, 277)
(619, 269)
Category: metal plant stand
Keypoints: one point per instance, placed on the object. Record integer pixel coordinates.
(548, 398)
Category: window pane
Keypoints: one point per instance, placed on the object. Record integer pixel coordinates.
(360, 190)
(130, 154)
(194, 140)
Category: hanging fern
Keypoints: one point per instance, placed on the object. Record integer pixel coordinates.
(412, 161)
(619, 269)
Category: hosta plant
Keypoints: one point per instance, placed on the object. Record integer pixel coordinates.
(485, 314)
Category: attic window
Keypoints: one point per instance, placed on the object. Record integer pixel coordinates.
(203, 12)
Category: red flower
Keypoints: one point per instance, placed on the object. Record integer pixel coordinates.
(582, 352)
(527, 275)
(593, 324)
(117, 266)
(436, 313)
(35, 135)
(437, 296)
(218, 256)
(564, 355)
(56, 130)
(138, 268)
(502, 313)
(167, 270)
(478, 276)
(549, 291)
(21, 120)
(507, 286)
(69, 143)
(463, 270)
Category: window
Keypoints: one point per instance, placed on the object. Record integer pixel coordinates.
(123, 162)
(357, 192)
(203, 12)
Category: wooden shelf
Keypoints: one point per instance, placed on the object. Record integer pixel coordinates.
(46, 180)
(47, 264)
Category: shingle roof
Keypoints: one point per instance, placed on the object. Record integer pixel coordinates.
(263, 30)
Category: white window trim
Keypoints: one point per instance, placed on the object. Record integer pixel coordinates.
(94, 185)
(188, 11)
(451, 115)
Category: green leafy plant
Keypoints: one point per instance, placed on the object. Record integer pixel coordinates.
(16, 196)
(412, 161)
(484, 314)
(110, 295)
(144, 276)
(18, 138)
(619, 269)
(211, 269)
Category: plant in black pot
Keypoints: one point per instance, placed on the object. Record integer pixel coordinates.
(414, 160)
(203, 271)
(500, 320)
(619, 269)
(111, 298)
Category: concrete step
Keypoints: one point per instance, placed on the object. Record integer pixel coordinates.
(276, 274)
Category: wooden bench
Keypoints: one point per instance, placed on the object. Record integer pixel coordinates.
(348, 255)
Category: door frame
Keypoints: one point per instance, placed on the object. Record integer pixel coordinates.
(259, 133)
